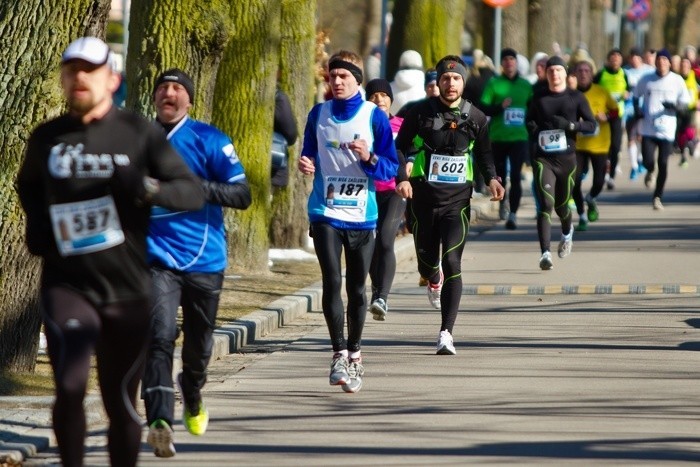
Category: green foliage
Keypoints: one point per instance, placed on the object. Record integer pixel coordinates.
(115, 32)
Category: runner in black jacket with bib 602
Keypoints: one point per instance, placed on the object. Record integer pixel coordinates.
(442, 137)
(87, 183)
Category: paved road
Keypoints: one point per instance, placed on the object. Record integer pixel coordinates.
(593, 362)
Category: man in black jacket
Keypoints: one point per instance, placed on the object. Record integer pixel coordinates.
(444, 136)
(87, 183)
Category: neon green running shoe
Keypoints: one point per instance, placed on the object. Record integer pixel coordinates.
(196, 424)
(592, 209)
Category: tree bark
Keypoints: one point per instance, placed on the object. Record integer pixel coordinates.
(31, 56)
(289, 224)
(434, 29)
(546, 31)
(515, 29)
(243, 108)
(186, 34)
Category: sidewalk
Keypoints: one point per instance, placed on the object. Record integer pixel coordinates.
(25, 422)
(545, 373)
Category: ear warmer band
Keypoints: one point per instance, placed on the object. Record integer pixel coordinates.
(454, 67)
(351, 67)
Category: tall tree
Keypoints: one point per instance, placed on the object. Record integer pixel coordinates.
(187, 34)
(243, 107)
(674, 22)
(289, 226)
(434, 29)
(32, 95)
(515, 28)
(545, 30)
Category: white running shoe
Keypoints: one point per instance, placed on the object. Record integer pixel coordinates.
(339, 370)
(434, 292)
(566, 244)
(160, 438)
(379, 309)
(445, 345)
(658, 205)
(355, 371)
(546, 261)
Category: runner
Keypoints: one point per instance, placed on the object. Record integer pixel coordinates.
(505, 99)
(188, 255)
(613, 78)
(391, 208)
(554, 118)
(87, 183)
(593, 146)
(663, 94)
(443, 136)
(348, 145)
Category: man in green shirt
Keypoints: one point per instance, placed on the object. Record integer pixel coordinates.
(505, 99)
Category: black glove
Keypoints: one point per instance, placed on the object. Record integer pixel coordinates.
(669, 106)
(560, 122)
(531, 127)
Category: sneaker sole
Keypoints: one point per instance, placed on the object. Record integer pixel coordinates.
(352, 390)
(546, 266)
(162, 442)
(377, 313)
(445, 351)
(339, 382)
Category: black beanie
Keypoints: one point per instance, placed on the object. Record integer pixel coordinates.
(379, 85)
(508, 52)
(556, 60)
(176, 75)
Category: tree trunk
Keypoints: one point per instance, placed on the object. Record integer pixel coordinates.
(243, 108)
(545, 29)
(289, 224)
(31, 96)
(599, 42)
(515, 29)
(434, 29)
(186, 34)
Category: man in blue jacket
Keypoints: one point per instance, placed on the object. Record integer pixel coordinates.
(187, 254)
(348, 145)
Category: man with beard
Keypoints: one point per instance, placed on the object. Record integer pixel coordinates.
(443, 137)
(87, 184)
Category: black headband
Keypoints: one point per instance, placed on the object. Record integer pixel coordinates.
(351, 67)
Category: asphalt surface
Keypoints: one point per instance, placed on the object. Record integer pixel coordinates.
(593, 362)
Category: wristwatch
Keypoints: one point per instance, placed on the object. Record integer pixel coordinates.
(572, 125)
(373, 159)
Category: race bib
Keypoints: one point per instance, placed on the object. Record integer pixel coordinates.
(664, 123)
(346, 195)
(514, 116)
(447, 169)
(86, 226)
(552, 140)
